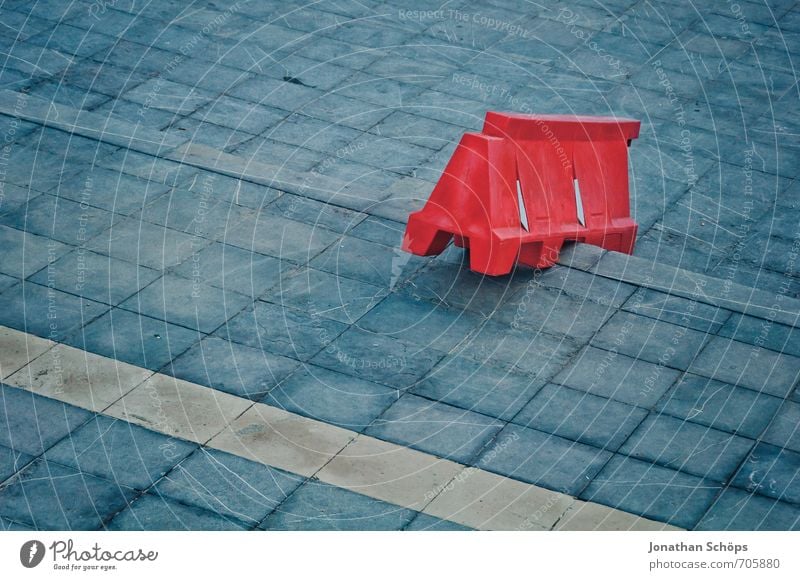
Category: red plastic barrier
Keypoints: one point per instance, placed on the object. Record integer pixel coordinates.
(526, 184)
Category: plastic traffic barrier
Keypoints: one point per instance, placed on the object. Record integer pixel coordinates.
(526, 184)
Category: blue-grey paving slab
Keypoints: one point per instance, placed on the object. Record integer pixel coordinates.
(426, 523)
(420, 322)
(379, 230)
(46, 312)
(529, 351)
(59, 219)
(54, 497)
(771, 471)
(367, 261)
(677, 310)
(120, 452)
(95, 276)
(327, 295)
(231, 189)
(615, 376)
(317, 213)
(542, 459)
(275, 235)
(492, 388)
(197, 212)
(12, 461)
(435, 428)
(650, 340)
(719, 405)
(284, 331)
(135, 339)
(112, 190)
(332, 397)
(147, 244)
(168, 96)
(652, 491)
(454, 284)
(377, 357)
(25, 253)
(319, 506)
(238, 114)
(14, 196)
(747, 366)
(687, 447)
(735, 509)
(7, 281)
(232, 367)
(582, 417)
(214, 136)
(784, 430)
(30, 423)
(773, 336)
(549, 310)
(585, 285)
(187, 303)
(36, 169)
(151, 513)
(7, 525)
(228, 485)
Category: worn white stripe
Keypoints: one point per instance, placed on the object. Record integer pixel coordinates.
(378, 469)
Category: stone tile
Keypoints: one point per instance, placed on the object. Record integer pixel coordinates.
(435, 428)
(327, 295)
(303, 131)
(332, 397)
(542, 459)
(59, 219)
(719, 405)
(147, 244)
(389, 472)
(7, 525)
(420, 322)
(595, 517)
(585, 286)
(316, 213)
(232, 367)
(784, 429)
(650, 340)
(139, 340)
(187, 303)
(736, 510)
(677, 310)
(120, 452)
(687, 447)
(96, 277)
(655, 492)
(18, 348)
(112, 190)
(416, 129)
(751, 330)
(284, 440)
(318, 506)
(378, 358)
(239, 115)
(12, 461)
(26, 253)
(53, 497)
(169, 96)
(79, 378)
(178, 408)
(581, 417)
(534, 353)
(151, 513)
(284, 331)
(426, 523)
(770, 471)
(277, 236)
(228, 485)
(747, 366)
(232, 190)
(542, 309)
(46, 312)
(491, 388)
(607, 374)
(490, 502)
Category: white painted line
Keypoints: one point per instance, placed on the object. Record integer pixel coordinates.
(523, 213)
(277, 438)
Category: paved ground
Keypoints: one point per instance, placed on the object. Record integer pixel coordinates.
(216, 192)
